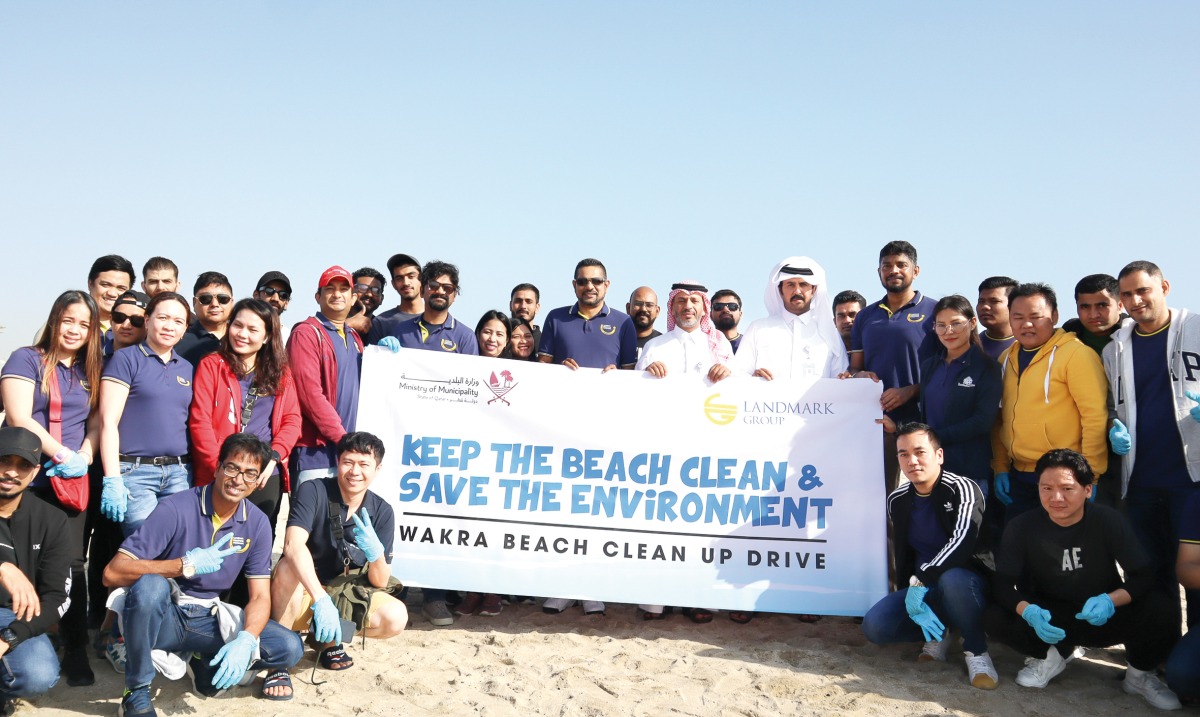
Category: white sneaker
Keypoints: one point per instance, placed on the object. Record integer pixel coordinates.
(1151, 689)
(556, 605)
(934, 651)
(981, 671)
(114, 652)
(1038, 673)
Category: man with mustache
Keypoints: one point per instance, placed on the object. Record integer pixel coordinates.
(643, 309)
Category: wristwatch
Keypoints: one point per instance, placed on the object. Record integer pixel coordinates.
(10, 636)
(189, 568)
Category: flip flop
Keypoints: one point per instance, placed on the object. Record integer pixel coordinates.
(740, 617)
(278, 678)
(335, 659)
(698, 615)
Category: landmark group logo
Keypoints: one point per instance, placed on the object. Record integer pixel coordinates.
(721, 414)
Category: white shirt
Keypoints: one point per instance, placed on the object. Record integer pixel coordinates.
(680, 351)
(790, 346)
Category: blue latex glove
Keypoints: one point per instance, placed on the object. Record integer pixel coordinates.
(234, 658)
(1195, 409)
(208, 560)
(114, 498)
(1001, 486)
(1097, 610)
(365, 537)
(73, 466)
(391, 343)
(327, 623)
(1039, 620)
(930, 625)
(914, 599)
(1119, 438)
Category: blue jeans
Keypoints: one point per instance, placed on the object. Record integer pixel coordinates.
(1156, 515)
(958, 600)
(146, 485)
(153, 622)
(29, 670)
(1023, 489)
(1183, 666)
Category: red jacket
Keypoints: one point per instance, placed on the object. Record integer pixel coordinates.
(314, 368)
(216, 411)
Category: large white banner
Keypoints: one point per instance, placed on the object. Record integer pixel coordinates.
(532, 479)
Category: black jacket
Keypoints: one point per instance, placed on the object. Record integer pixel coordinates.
(966, 430)
(959, 505)
(44, 554)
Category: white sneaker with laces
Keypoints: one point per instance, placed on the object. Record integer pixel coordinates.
(934, 651)
(1151, 689)
(1038, 673)
(980, 671)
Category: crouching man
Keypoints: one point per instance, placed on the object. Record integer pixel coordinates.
(1057, 584)
(936, 518)
(174, 569)
(337, 527)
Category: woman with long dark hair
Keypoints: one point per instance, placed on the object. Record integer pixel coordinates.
(48, 388)
(521, 345)
(491, 333)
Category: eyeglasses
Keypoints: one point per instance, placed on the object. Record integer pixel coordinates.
(582, 281)
(444, 288)
(232, 471)
(731, 305)
(206, 299)
(118, 318)
(368, 288)
(283, 294)
(954, 327)
(642, 304)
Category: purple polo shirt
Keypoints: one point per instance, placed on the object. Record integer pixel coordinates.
(154, 422)
(608, 338)
(1189, 524)
(25, 364)
(260, 414)
(450, 337)
(894, 344)
(186, 520)
(384, 323)
(994, 347)
(348, 359)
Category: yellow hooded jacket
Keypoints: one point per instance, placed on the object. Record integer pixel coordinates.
(1060, 401)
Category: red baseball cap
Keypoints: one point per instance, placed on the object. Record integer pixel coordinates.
(335, 272)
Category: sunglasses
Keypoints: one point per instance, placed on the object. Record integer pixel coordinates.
(731, 305)
(582, 281)
(118, 318)
(206, 299)
(445, 288)
(283, 294)
(368, 288)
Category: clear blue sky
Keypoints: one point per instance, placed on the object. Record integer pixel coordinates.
(670, 139)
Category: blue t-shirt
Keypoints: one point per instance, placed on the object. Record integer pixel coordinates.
(260, 412)
(449, 337)
(1160, 461)
(1025, 357)
(895, 343)
(994, 347)
(186, 520)
(938, 388)
(154, 422)
(925, 533)
(607, 339)
(310, 511)
(25, 364)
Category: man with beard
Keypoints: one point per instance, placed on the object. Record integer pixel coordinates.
(846, 306)
(368, 295)
(992, 310)
(643, 309)
(212, 300)
(159, 274)
(524, 302)
(435, 329)
(276, 289)
(1098, 310)
(692, 344)
(727, 314)
(406, 280)
(797, 339)
(589, 334)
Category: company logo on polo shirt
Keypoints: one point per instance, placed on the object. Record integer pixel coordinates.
(83, 382)
(967, 382)
(183, 381)
(239, 545)
(721, 414)
(608, 329)
(501, 386)
(915, 318)
(448, 345)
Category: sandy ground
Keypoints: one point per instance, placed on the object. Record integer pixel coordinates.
(524, 662)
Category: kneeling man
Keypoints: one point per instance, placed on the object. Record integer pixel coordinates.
(1058, 587)
(936, 518)
(174, 569)
(335, 526)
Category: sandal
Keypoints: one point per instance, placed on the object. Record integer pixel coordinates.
(279, 678)
(740, 617)
(335, 659)
(808, 618)
(698, 615)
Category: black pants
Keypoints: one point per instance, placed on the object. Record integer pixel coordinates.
(73, 627)
(101, 539)
(268, 499)
(1143, 626)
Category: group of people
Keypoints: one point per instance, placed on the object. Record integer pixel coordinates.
(149, 440)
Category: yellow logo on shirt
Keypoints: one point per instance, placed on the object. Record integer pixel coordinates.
(608, 329)
(183, 381)
(916, 318)
(448, 345)
(83, 382)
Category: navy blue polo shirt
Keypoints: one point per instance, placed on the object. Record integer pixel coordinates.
(384, 323)
(197, 342)
(450, 336)
(348, 359)
(260, 412)
(1189, 524)
(608, 338)
(310, 511)
(186, 520)
(154, 422)
(25, 364)
(1160, 461)
(895, 343)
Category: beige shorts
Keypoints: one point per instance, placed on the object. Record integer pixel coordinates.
(379, 600)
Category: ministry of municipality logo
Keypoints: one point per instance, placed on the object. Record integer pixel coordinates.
(501, 386)
(721, 414)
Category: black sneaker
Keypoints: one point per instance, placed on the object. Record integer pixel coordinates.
(202, 676)
(137, 703)
(77, 669)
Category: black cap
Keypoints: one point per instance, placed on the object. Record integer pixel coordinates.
(132, 298)
(17, 441)
(274, 276)
(399, 260)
